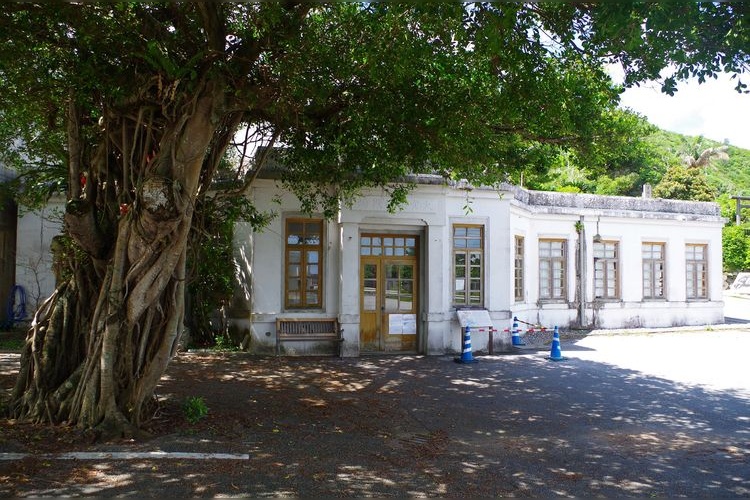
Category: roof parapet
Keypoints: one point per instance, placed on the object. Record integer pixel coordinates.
(602, 202)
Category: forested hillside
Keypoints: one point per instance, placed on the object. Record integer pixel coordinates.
(730, 175)
(675, 165)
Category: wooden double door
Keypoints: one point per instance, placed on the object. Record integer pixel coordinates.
(388, 292)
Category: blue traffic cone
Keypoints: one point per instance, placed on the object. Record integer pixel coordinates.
(556, 353)
(516, 338)
(466, 356)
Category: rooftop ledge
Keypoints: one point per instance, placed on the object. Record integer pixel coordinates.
(580, 201)
(629, 203)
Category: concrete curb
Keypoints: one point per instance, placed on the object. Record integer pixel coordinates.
(673, 329)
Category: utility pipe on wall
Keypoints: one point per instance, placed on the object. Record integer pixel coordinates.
(581, 272)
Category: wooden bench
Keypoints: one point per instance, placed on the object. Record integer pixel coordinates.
(308, 330)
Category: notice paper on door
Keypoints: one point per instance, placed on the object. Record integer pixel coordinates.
(402, 324)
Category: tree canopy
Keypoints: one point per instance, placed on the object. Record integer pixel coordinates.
(130, 108)
(362, 92)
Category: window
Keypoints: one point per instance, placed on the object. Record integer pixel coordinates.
(652, 255)
(399, 287)
(606, 279)
(303, 252)
(468, 251)
(390, 246)
(552, 269)
(696, 271)
(518, 270)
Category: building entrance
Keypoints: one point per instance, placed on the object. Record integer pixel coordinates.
(388, 292)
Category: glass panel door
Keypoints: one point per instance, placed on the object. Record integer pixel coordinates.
(388, 293)
(400, 313)
(369, 318)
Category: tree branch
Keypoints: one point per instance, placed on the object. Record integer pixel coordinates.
(213, 25)
(75, 149)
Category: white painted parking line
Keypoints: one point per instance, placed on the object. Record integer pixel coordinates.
(126, 455)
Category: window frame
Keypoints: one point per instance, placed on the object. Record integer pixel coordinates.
(303, 248)
(649, 265)
(603, 261)
(467, 252)
(563, 261)
(519, 247)
(698, 275)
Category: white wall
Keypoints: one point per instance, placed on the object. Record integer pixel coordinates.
(630, 229)
(489, 208)
(33, 259)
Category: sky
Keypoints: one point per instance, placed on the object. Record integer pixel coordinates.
(712, 109)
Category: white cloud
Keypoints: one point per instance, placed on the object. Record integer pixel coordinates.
(712, 109)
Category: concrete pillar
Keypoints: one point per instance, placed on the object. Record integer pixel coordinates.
(349, 295)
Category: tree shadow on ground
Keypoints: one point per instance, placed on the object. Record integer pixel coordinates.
(412, 426)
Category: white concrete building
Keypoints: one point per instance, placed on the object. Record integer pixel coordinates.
(394, 282)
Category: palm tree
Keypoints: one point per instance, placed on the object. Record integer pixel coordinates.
(704, 158)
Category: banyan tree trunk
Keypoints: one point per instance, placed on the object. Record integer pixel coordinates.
(98, 346)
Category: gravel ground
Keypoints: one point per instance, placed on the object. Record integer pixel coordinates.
(597, 424)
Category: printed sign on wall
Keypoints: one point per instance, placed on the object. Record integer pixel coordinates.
(473, 317)
(742, 283)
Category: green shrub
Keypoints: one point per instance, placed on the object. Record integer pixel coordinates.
(194, 408)
(735, 248)
(224, 343)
